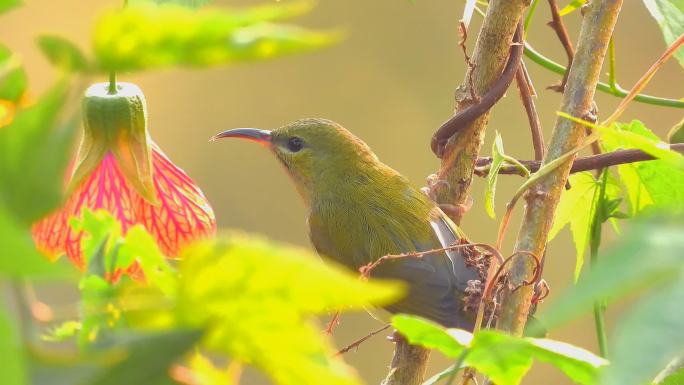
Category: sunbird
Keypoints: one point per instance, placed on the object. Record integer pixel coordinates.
(360, 209)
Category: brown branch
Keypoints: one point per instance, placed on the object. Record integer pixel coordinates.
(543, 196)
(524, 86)
(481, 104)
(558, 26)
(361, 340)
(585, 163)
(492, 51)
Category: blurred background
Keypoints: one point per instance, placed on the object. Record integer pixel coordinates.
(391, 81)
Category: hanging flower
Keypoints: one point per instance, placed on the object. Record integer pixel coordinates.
(119, 168)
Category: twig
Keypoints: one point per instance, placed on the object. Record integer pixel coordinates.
(558, 26)
(522, 78)
(597, 28)
(361, 340)
(585, 163)
(481, 104)
(334, 321)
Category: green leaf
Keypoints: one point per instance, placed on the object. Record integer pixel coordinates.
(12, 353)
(6, 5)
(62, 332)
(12, 76)
(572, 6)
(647, 337)
(258, 297)
(503, 358)
(648, 254)
(676, 378)
(669, 14)
(20, 257)
(149, 37)
(34, 153)
(676, 133)
(636, 135)
(429, 334)
(63, 53)
(656, 183)
(138, 245)
(148, 358)
(497, 161)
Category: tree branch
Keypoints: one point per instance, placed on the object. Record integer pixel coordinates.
(543, 197)
(489, 58)
(585, 163)
(408, 364)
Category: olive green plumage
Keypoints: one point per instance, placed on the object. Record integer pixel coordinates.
(360, 209)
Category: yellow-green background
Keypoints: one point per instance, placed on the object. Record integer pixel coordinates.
(391, 82)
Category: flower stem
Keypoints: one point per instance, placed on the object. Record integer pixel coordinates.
(112, 83)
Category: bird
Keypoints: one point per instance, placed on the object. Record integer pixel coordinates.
(360, 209)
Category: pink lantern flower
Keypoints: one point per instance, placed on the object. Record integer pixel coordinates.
(120, 169)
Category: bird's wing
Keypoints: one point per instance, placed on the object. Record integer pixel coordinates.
(449, 234)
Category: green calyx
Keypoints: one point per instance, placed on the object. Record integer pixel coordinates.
(116, 123)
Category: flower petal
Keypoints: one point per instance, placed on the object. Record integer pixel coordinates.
(105, 188)
(182, 213)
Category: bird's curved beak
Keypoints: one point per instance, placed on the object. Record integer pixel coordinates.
(262, 137)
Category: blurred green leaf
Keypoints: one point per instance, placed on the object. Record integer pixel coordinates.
(12, 76)
(148, 357)
(503, 358)
(656, 183)
(150, 37)
(648, 254)
(258, 298)
(185, 3)
(676, 378)
(497, 161)
(647, 337)
(12, 353)
(669, 14)
(572, 6)
(20, 257)
(138, 245)
(34, 153)
(63, 53)
(6, 5)
(62, 331)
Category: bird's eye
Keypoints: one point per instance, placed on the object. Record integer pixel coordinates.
(295, 144)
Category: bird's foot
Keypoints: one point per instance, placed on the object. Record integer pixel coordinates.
(457, 211)
(396, 337)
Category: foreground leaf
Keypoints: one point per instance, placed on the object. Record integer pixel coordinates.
(149, 37)
(11, 351)
(503, 358)
(669, 14)
(13, 79)
(647, 337)
(647, 255)
(497, 161)
(63, 53)
(572, 6)
(676, 378)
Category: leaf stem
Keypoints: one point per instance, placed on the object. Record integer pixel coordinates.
(616, 90)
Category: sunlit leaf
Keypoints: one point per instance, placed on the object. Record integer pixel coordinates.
(676, 133)
(649, 253)
(34, 153)
(497, 161)
(572, 6)
(12, 353)
(647, 337)
(655, 183)
(62, 53)
(429, 334)
(149, 37)
(185, 3)
(669, 14)
(676, 378)
(503, 358)
(12, 76)
(636, 135)
(258, 298)
(62, 331)
(6, 5)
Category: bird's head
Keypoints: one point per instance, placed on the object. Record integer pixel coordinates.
(314, 151)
